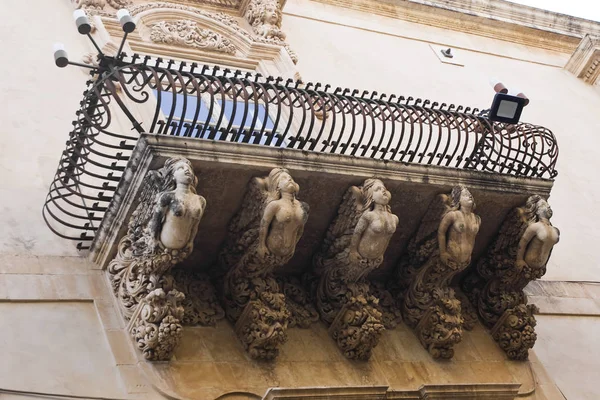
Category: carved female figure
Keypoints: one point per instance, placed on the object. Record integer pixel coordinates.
(262, 236)
(444, 242)
(354, 246)
(538, 239)
(517, 256)
(161, 234)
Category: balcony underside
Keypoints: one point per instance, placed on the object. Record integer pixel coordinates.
(224, 170)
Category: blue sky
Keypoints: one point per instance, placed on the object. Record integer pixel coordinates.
(589, 9)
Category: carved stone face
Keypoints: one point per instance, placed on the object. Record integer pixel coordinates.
(466, 200)
(270, 16)
(286, 184)
(380, 194)
(543, 209)
(183, 174)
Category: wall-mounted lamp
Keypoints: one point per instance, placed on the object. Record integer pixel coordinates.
(84, 27)
(81, 20)
(61, 59)
(506, 106)
(125, 20)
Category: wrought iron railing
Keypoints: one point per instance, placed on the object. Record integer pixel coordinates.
(211, 103)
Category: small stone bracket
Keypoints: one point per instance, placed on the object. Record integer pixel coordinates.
(585, 61)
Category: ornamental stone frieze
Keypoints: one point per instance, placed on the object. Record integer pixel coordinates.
(440, 249)
(188, 33)
(517, 256)
(353, 247)
(261, 238)
(264, 17)
(160, 234)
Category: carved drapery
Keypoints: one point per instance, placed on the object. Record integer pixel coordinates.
(187, 33)
(262, 237)
(440, 249)
(160, 234)
(517, 256)
(353, 247)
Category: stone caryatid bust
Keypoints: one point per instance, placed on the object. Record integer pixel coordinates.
(441, 248)
(265, 18)
(160, 234)
(262, 237)
(517, 256)
(353, 247)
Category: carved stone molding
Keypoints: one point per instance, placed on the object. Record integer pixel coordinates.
(262, 237)
(188, 33)
(160, 234)
(585, 61)
(266, 23)
(440, 249)
(517, 256)
(353, 247)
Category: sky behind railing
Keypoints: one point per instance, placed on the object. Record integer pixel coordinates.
(588, 9)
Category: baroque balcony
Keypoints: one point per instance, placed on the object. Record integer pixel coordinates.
(233, 127)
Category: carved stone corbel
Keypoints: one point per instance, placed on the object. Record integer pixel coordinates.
(160, 234)
(262, 237)
(441, 249)
(353, 247)
(201, 305)
(517, 256)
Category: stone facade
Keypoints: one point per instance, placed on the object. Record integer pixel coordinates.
(63, 324)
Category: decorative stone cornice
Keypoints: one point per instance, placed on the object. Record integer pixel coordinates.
(585, 61)
(495, 19)
(188, 33)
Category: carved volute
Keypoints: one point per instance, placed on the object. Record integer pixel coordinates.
(440, 249)
(517, 256)
(353, 247)
(262, 237)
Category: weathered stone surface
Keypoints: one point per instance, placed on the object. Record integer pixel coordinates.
(441, 248)
(353, 247)
(262, 237)
(517, 256)
(160, 234)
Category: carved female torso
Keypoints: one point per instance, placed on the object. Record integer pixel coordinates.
(286, 226)
(179, 211)
(283, 220)
(380, 226)
(458, 230)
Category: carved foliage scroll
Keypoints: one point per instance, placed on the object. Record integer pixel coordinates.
(440, 249)
(353, 247)
(517, 256)
(189, 34)
(160, 234)
(262, 237)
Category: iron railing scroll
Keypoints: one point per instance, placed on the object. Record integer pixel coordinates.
(211, 103)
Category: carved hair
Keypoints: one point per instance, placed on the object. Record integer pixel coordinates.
(257, 12)
(532, 206)
(169, 169)
(273, 183)
(455, 196)
(367, 189)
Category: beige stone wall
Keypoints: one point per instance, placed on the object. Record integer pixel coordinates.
(60, 331)
(359, 50)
